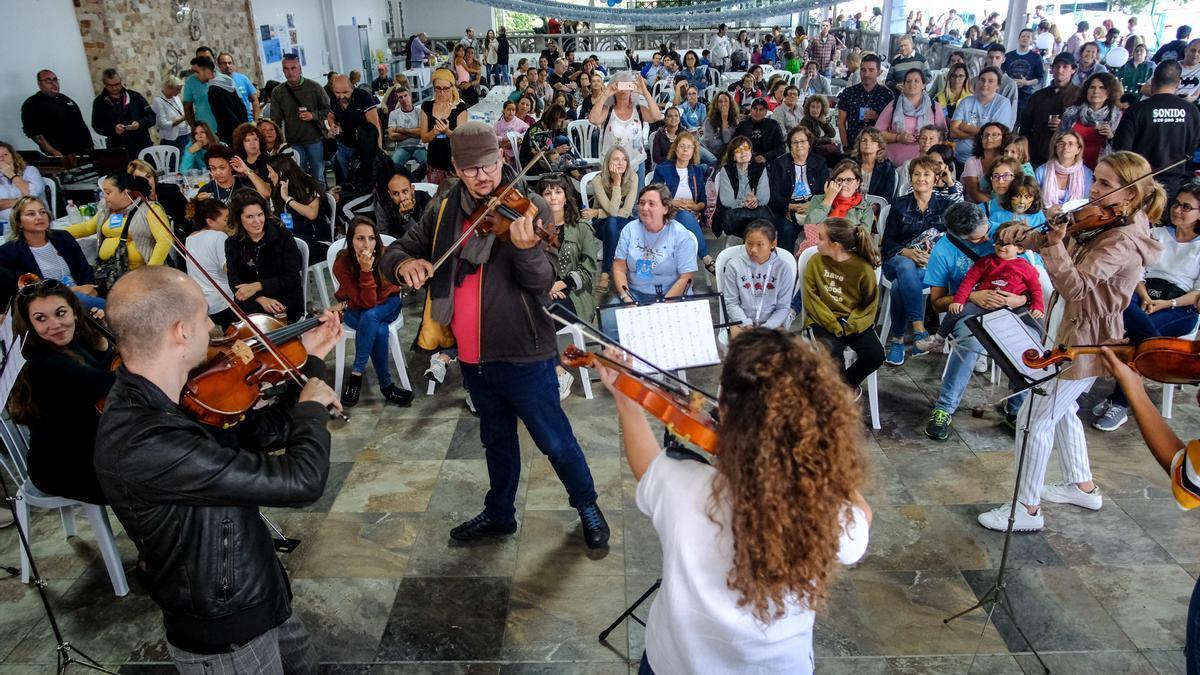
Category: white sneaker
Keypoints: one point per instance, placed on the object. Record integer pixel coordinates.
(1114, 418)
(436, 370)
(565, 380)
(1069, 493)
(1100, 408)
(471, 404)
(981, 364)
(997, 519)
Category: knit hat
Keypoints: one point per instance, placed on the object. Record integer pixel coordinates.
(474, 144)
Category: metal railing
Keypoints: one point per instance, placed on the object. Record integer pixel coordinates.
(599, 40)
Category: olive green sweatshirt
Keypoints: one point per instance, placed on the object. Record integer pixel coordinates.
(840, 297)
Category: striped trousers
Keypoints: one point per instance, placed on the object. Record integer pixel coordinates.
(283, 650)
(1054, 424)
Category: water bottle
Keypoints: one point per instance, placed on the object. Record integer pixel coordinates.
(68, 280)
(73, 214)
(286, 217)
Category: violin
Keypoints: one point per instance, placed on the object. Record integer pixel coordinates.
(1163, 359)
(240, 366)
(1092, 216)
(684, 416)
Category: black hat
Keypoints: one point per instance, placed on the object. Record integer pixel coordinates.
(758, 102)
(1067, 58)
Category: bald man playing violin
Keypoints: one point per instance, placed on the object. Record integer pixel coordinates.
(487, 299)
(188, 495)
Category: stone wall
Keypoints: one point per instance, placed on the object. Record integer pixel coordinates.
(143, 40)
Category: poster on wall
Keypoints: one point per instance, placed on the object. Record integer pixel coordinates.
(265, 32)
(272, 52)
(298, 50)
(291, 21)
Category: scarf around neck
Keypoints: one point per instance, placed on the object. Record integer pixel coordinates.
(1051, 195)
(904, 108)
(842, 205)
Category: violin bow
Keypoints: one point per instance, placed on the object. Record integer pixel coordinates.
(680, 386)
(493, 202)
(1044, 227)
(292, 371)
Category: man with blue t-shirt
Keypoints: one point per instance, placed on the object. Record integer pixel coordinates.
(1024, 66)
(195, 97)
(984, 106)
(968, 227)
(245, 88)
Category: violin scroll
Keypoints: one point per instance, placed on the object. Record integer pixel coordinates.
(1036, 359)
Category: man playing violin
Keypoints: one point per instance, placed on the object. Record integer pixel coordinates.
(189, 500)
(487, 298)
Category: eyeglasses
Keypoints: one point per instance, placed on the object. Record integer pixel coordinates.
(1007, 175)
(845, 180)
(473, 171)
(1186, 208)
(32, 288)
(442, 88)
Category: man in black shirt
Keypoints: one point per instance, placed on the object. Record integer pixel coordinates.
(1163, 128)
(53, 121)
(382, 82)
(1039, 119)
(122, 116)
(349, 110)
(560, 81)
(765, 134)
(403, 209)
(1174, 50)
(859, 105)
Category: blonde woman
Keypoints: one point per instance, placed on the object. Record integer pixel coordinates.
(439, 118)
(615, 192)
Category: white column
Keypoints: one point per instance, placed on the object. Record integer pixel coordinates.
(894, 22)
(1016, 21)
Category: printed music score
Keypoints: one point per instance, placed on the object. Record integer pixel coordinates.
(1012, 336)
(671, 335)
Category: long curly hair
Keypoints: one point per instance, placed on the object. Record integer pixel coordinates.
(789, 468)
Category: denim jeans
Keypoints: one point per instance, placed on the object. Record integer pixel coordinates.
(312, 159)
(707, 158)
(371, 337)
(688, 220)
(608, 315)
(505, 392)
(908, 293)
(608, 230)
(1192, 645)
(402, 155)
(962, 358)
(341, 160)
(502, 69)
(1171, 322)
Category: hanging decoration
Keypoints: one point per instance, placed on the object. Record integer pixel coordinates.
(665, 17)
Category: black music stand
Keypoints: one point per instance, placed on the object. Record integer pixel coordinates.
(1005, 337)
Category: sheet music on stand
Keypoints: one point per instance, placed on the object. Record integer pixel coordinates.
(1006, 338)
(672, 335)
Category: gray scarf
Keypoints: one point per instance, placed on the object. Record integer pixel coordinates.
(139, 228)
(904, 108)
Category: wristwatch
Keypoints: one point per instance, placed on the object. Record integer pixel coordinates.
(1174, 303)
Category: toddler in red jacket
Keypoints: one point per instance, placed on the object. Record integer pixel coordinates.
(1004, 271)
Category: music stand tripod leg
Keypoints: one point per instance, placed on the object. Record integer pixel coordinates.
(997, 594)
(64, 649)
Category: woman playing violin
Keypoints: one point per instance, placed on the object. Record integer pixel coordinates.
(1094, 279)
(726, 571)
(66, 372)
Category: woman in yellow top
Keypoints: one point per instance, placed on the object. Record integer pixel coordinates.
(149, 242)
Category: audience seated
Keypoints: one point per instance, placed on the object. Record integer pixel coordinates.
(208, 230)
(17, 179)
(67, 372)
(300, 203)
(166, 195)
(684, 176)
(262, 260)
(403, 207)
(758, 286)
(795, 179)
(272, 137)
(229, 174)
(34, 248)
(248, 144)
(147, 241)
(743, 189)
(193, 157)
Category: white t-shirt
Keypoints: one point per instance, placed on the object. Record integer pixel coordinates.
(626, 134)
(656, 259)
(695, 625)
(1189, 82)
(1179, 263)
(52, 265)
(684, 191)
(208, 247)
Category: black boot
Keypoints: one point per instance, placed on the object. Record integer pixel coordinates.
(351, 390)
(595, 527)
(394, 394)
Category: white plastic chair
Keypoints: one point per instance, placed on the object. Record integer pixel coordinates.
(577, 339)
(303, 247)
(164, 158)
(317, 269)
(581, 133)
(514, 141)
(428, 188)
(348, 332)
(583, 188)
(1168, 390)
(16, 443)
(872, 380)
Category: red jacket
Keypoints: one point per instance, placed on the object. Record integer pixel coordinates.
(1017, 276)
(361, 292)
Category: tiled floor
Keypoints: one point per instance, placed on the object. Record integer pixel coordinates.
(384, 590)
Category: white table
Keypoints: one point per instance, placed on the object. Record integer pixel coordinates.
(90, 245)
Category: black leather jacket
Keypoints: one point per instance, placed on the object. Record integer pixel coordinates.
(190, 504)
